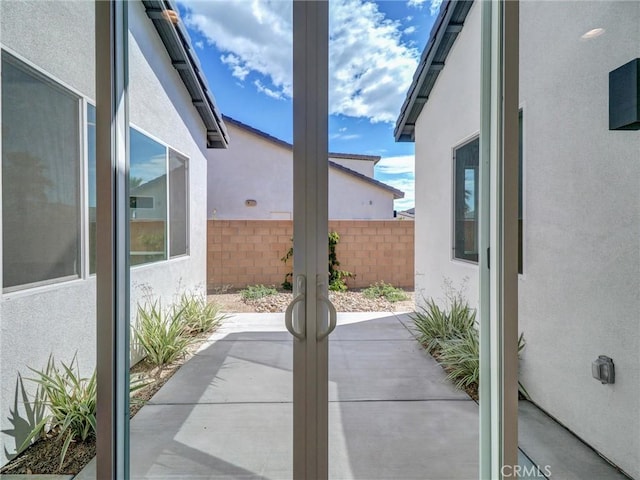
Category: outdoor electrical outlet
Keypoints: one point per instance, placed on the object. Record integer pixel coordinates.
(602, 369)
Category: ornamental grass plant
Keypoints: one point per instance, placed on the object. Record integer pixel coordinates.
(160, 333)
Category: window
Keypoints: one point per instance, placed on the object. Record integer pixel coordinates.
(148, 178)
(520, 187)
(178, 210)
(40, 178)
(153, 218)
(466, 190)
(158, 221)
(91, 169)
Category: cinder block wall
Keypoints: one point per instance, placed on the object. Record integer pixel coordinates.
(248, 252)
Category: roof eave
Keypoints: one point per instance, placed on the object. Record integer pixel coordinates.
(185, 61)
(445, 30)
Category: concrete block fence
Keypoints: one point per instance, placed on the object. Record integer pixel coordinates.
(248, 252)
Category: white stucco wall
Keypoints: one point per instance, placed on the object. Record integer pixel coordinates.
(365, 167)
(353, 199)
(60, 318)
(580, 292)
(449, 118)
(255, 168)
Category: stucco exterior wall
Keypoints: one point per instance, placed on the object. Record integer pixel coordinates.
(449, 118)
(365, 167)
(254, 168)
(351, 199)
(579, 294)
(59, 319)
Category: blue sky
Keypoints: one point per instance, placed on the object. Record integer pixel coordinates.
(245, 50)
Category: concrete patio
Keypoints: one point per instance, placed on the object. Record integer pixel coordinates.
(227, 413)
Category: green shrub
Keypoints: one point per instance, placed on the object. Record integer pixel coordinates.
(461, 358)
(70, 400)
(197, 314)
(436, 325)
(255, 292)
(453, 337)
(337, 277)
(386, 291)
(160, 334)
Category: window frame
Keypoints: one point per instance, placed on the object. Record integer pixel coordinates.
(168, 150)
(454, 206)
(83, 187)
(187, 190)
(46, 77)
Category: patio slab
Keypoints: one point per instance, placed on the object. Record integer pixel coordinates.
(557, 450)
(227, 413)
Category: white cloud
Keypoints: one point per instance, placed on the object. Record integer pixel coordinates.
(404, 164)
(399, 172)
(433, 8)
(238, 70)
(254, 35)
(370, 67)
(408, 187)
(199, 44)
(409, 30)
(344, 136)
(267, 91)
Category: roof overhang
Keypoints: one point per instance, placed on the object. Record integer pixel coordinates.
(443, 35)
(183, 58)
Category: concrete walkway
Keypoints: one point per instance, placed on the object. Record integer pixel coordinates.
(227, 413)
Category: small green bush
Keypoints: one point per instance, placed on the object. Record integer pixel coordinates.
(461, 357)
(197, 314)
(451, 335)
(386, 291)
(255, 292)
(70, 400)
(161, 334)
(436, 325)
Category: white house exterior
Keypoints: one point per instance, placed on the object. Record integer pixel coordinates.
(580, 280)
(253, 180)
(48, 300)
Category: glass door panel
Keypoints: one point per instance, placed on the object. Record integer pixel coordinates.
(202, 193)
(395, 410)
(48, 300)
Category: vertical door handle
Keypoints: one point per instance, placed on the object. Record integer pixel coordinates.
(301, 285)
(320, 288)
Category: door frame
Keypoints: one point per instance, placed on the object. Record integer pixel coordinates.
(310, 244)
(498, 238)
(498, 232)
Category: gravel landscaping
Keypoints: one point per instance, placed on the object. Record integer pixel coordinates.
(350, 301)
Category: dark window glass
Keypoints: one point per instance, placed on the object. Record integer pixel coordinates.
(178, 206)
(520, 187)
(40, 178)
(91, 169)
(148, 178)
(466, 201)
